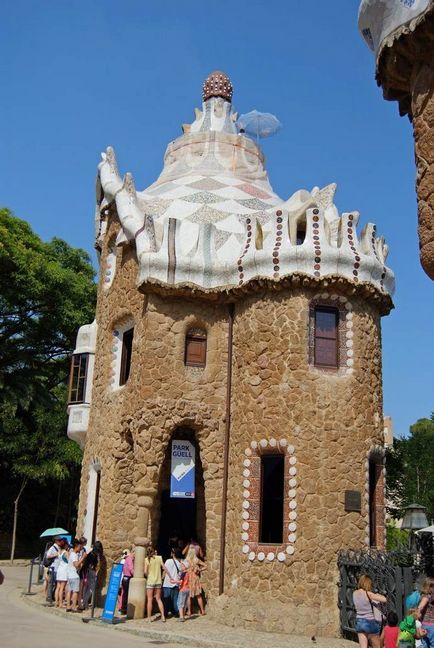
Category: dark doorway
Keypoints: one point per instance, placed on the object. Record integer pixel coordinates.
(178, 520)
(96, 506)
(175, 517)
(272, 487)
(375, 470)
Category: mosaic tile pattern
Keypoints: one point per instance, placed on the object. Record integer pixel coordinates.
(206, 184)
(206, 214)
(110, 267)
(246, 249)
(251, 473)
(254, 191)
(316, 243)
(220, 238)
(203, 197)
(351, 236)
(374, 249)
(155, 207)
(254, 203)
(277, 244)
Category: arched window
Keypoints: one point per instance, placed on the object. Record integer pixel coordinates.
(195, 348)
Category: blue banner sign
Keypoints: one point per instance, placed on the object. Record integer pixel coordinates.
(112, 593)
(182, 472)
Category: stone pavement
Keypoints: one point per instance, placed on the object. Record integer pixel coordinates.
(197, 631)
(24, 626)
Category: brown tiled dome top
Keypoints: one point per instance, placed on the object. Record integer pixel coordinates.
(218, 84)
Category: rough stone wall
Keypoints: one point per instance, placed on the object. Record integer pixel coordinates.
(331, 419)
(130, 427)
(406, 74)
(422, 107)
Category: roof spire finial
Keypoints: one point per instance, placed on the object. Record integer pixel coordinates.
(217, 84)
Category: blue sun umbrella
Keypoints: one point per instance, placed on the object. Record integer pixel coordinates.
(258, 124)
(55, 531)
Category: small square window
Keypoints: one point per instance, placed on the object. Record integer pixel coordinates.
(195, 348)
(326, 346)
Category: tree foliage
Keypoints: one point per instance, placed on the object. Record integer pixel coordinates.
(47, 292)
(410, 469)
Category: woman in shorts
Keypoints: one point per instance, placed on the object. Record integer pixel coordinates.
(74, 564)
(61, 576)
(153, 571)
(365, 601)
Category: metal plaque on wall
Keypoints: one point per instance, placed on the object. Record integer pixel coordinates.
(353, 501)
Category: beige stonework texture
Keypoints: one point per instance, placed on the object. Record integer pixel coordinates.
(332, 419)
(406, 74)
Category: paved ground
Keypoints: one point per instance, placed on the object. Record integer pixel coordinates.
(25, 621)
(25, 626)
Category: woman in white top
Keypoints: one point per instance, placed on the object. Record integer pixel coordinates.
(74, 565)
(173, 567)
(61, 576)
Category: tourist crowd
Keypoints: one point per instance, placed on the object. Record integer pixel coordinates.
(74, 573)
(174, 584)
(375, 629)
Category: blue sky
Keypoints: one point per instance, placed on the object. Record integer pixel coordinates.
(78, 76)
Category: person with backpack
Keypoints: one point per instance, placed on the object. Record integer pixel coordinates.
(172, 568)
(49, 561)
(93, 565)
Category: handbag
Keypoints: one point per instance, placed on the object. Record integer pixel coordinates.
(378, 615)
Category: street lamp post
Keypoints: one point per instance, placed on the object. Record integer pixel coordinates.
(413, 520)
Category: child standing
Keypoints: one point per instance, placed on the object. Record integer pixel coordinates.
(391, 631)
(184, 593)
(408, 630)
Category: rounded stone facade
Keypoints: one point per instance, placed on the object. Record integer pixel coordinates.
(324, 421)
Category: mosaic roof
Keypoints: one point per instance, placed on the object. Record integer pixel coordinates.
(212, 220)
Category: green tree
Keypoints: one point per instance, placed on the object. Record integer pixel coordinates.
(410, 469)
(47, 292)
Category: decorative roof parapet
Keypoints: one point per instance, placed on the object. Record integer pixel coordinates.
(200, 263)
(236, 250)
(212, 223)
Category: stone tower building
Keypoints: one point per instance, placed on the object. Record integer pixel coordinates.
(401, 34)
(247, 328)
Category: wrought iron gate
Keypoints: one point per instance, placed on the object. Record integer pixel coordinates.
(393, 581)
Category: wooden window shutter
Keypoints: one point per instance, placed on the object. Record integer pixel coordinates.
(326, 325)
(195, 348)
